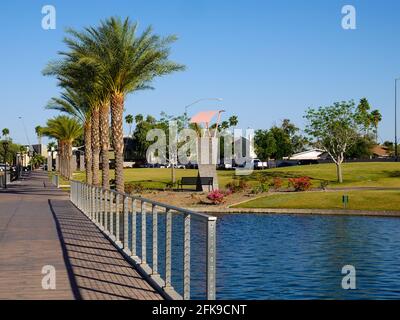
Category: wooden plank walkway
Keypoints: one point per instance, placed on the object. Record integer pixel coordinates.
(39, 226)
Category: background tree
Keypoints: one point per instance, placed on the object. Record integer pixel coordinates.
(279, 142)
(265, 144)
(38, 131)
(362, 147)
(12, 151)
(376, 117)
(37, 160)
(65, 130)
(363, 114)
(6, 133)
(75, 105)
(335, 129)
(129, 121)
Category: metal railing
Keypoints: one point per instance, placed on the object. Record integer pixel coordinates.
(124, 219)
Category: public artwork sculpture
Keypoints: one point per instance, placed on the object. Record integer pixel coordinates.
(207, 146)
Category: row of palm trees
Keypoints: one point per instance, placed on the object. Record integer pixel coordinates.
(100, 67)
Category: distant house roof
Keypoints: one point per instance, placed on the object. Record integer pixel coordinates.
(314, 154)
(380, 151)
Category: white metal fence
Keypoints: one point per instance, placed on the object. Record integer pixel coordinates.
(116, 214)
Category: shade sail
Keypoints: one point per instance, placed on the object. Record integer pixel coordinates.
(203, 117)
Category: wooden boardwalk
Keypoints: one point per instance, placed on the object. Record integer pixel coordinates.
(39, 227)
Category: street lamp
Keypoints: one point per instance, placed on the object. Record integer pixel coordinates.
(5, 148)
(200, 100)
(395, 119)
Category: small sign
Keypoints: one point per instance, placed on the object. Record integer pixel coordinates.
(345, 200)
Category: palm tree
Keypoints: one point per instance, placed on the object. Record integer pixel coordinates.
(376, 117)
(83, 79)
(66, 130)
(139, 118)
(73, 105)
(129, 121)
(125, 63)
(38, 131)
(5, 132)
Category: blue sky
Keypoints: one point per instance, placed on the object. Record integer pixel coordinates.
(268, 60)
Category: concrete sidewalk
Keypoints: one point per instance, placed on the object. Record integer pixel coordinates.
(39, 226)
(29, 241)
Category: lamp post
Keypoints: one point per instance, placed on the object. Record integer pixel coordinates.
(395, 120)
(52, 157)
(200, 100)
(5, 148)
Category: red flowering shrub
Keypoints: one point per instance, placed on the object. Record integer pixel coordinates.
(216, 197)
(300, 184)
(277, 183)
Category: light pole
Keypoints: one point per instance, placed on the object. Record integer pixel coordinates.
(197, 101)
(395, 120)
(5, 148)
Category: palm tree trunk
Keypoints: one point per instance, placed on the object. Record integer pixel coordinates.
(95, 145)
(68, 150)
(117, 108)
(88, 151)
(105, 143)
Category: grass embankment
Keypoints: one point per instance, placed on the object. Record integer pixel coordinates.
(375, 174)
(357, 175)
(379, 200)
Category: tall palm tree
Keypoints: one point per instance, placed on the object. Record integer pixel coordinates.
(73, 105)
(129, 121)
(38, 131)
(66, 130)
(125, 63)
(82, 80)
(376, 117)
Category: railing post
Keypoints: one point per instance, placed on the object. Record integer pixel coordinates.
(168, 248)
(144, 227)
(98, 206)
(186, 257)
(155, 239)
(117, 219)
(133, 227)
(86, 199)
(126, 218)
(93, 209)
(105, 209)
(211, 258)
(112, 197)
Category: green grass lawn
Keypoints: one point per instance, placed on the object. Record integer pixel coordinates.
(375, 174)
(358, 200)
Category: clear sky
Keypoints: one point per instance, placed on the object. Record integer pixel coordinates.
(268, 60)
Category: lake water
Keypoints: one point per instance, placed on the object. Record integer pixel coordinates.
(293, 256)
(301, 257)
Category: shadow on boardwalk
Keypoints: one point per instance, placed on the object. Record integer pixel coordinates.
(96, 269)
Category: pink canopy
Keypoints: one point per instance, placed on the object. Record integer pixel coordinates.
(203, 117)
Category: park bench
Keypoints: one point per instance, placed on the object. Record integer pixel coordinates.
(197, 181)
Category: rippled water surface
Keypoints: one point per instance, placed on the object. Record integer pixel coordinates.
(301, 257)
